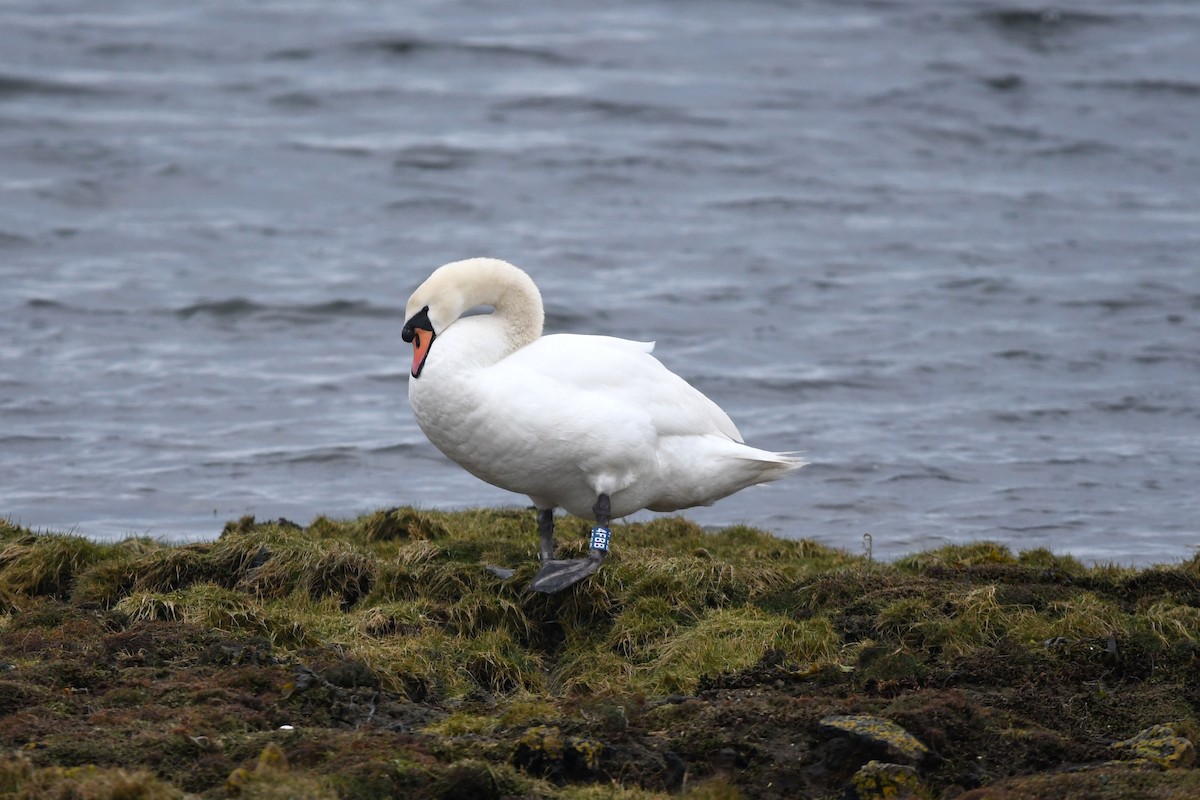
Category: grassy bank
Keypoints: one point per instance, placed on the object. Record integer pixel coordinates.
(377, 657)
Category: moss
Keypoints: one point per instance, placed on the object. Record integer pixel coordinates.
(1112, 783)
(463, 723)
(612, 792)
(272, 779)
(886, 669)
(471, 779)
(547, 752)
(20, 780)
(718, 788)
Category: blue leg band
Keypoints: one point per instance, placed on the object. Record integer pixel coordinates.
(600, 538)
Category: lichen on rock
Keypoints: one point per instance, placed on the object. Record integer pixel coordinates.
(1161, 745)
(866, 729)
(877, 780)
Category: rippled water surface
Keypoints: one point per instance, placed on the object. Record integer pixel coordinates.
(947, 250)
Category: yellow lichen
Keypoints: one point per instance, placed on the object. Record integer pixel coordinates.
(873, 730)
(881, 780)
(1159, 744)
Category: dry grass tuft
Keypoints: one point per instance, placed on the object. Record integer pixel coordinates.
(47, 564)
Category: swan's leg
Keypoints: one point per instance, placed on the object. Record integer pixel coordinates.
(554, 576)
(599, 543)
(545, 518)
(546, 534)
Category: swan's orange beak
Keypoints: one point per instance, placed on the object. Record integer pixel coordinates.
(422, 339)
(419, 331)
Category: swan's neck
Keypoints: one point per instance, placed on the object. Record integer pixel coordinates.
(518, 307)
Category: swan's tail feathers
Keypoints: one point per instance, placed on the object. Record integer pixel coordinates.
(699, 470)
(772, 466)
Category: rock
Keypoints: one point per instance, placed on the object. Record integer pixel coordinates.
(1161, 745)
(865, 729)
(878, 779)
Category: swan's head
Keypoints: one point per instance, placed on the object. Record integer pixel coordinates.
(462, 285)
(432, 308)
(419, 331)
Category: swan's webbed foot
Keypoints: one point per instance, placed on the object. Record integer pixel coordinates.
(556, 575)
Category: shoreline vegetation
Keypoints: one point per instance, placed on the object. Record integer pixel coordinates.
(377, 657)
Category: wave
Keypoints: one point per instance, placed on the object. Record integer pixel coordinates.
(406, 47)
(1065, 524)
(236, 308)
(242, 308)
(328, 454)
(441, 206)
(429, 157)
(1025, 416)
(1111, 305)
(1020, 354)
(1143, 86)
(790, 205)
(434, 157)
(47, 305)
(1040, 21)
(606, 109)
(927, 474)
(790, 385)
(1129, 403)
(11, 85)
(28, 439)
(981, 285)
(298, 100)
(14, 240)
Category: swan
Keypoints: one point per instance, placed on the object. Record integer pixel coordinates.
(594, 425)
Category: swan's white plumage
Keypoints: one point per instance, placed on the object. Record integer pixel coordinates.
(564, 418)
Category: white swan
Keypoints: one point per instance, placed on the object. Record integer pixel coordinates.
(592, 424)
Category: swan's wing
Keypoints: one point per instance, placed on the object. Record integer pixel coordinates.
(624, 375)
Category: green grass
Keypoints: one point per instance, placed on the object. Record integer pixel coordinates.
(405, 592)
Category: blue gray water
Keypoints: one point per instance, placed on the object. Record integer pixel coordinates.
(947, 250)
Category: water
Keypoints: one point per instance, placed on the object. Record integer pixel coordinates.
(948, 251)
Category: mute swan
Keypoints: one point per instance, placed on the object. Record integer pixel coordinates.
(592, 424)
